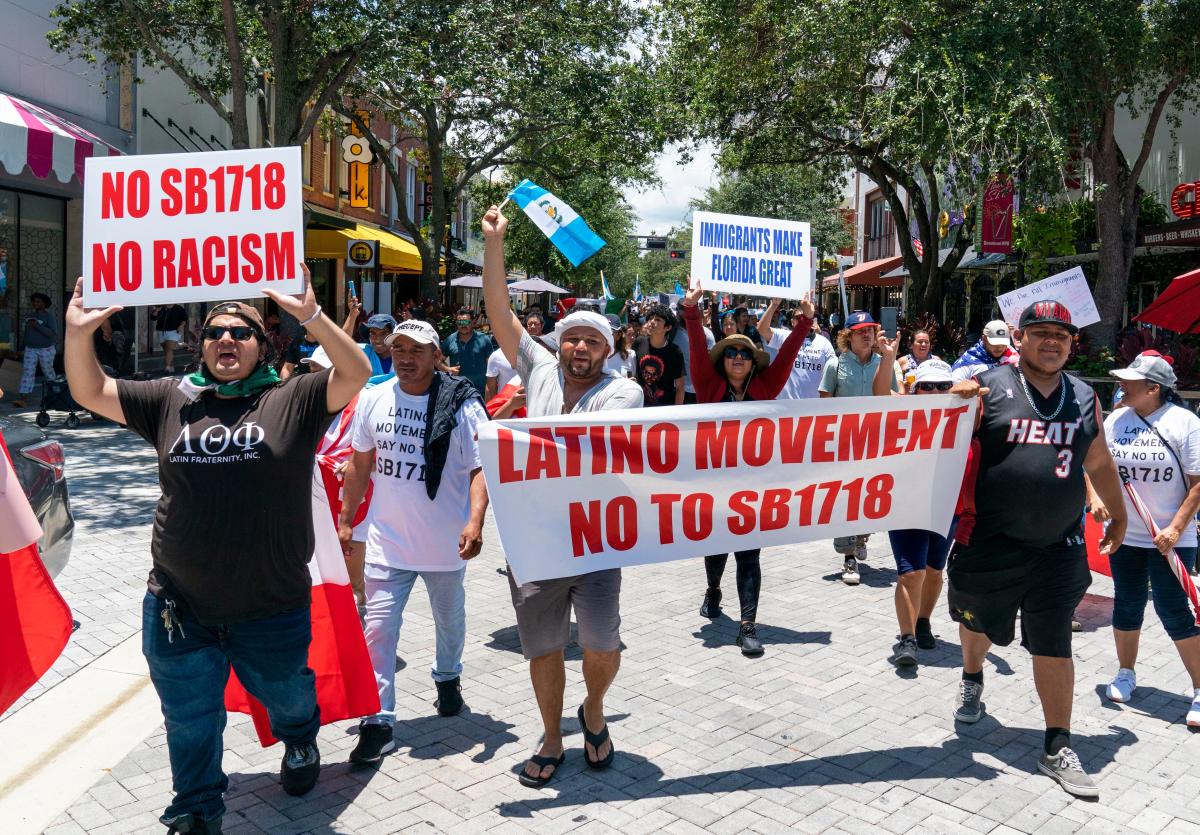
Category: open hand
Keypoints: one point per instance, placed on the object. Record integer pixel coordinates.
(83, 319)
(303, 306)
(694, 294)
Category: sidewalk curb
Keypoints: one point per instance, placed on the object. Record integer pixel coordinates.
(49, 761)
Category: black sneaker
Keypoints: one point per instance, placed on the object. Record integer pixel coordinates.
(925, 639)
(300, 768)
(747, 639)
(711, 607)
(189, 824)
(906, 651)
(374, 740)
(449, 701)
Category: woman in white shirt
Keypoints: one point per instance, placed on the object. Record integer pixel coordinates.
(623, 362)
(1156, 445)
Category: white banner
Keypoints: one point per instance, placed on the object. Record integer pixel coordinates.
(753, 256)
(586, 492)
(175, 228)
(1069, 287)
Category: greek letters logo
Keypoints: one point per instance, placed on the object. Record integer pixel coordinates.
(217, 444)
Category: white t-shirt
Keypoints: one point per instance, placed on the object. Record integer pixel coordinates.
(499, 367)
(544, 386)
(806, 373)
(404, 528)
(680, 338)
(1149, 466)
(619, 367)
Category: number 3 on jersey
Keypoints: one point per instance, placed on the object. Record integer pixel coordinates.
(1064, 463)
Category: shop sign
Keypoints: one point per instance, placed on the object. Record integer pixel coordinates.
(1184, 201)
(362, 255)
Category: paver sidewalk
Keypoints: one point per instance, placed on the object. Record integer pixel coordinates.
(822, 734)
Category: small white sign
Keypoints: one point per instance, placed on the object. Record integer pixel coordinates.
(174, 228)
(1069, 287)
(753, 256)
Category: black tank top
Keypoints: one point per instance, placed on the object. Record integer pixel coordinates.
(1030, 483)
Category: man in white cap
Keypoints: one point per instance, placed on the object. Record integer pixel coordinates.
(414, 440)
(573, 381)
(992, 349)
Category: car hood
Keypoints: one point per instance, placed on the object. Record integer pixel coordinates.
(18, 433)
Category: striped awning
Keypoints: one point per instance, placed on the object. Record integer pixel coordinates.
(33, 136)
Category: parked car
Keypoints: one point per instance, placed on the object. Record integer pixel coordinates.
(39, 463)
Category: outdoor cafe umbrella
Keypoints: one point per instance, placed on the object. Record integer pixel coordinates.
(1178, 308)
(537, 285)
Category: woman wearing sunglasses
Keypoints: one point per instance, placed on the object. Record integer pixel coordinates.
(920, 555)
(735, 370)
(230, 584)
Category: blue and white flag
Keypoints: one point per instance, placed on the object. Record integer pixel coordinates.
(608, 295)
(558, 221)
(637, 288)
(678, 289)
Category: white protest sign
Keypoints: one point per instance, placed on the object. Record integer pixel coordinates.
(168, 228)
(586, 492)
(754, 256)
(1069, 287)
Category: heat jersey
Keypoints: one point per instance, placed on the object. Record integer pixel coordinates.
(1029, 487)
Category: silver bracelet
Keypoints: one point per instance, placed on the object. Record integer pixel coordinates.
(312, 318)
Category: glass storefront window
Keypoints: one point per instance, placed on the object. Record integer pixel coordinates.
(32, 258)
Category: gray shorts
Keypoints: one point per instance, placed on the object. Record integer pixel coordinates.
(544, 612)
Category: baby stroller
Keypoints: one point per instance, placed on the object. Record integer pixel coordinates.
(56, 396)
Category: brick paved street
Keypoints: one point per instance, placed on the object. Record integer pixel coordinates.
(822, 734)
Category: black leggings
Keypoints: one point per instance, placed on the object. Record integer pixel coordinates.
(749, 578)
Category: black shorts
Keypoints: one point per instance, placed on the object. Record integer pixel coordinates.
(991, 581)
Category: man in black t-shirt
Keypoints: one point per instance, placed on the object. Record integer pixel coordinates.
(659, 361)
(231, 541)
(1020, 540)
(297, 352)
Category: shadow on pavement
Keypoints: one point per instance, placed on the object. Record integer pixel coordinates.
(434, 737)
(1170, 707)
(635, 777)
(508, 640)
(722, 632)
(1094, 612)
(869, 575)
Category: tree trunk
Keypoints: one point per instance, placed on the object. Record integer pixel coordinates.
(237, 73)
(1116, 225)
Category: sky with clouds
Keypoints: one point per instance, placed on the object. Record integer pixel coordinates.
(661, 208)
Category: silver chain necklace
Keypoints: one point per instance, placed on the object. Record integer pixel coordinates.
(1062, 397)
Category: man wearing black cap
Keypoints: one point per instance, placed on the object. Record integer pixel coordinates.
(1020, 547)
(41, 337)
(230, 585)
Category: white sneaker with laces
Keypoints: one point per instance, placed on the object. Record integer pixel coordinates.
(1193, 717)
(1122, 687)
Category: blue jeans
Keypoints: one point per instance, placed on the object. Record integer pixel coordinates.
(270, 656)
(387, 595)
(1133, 569)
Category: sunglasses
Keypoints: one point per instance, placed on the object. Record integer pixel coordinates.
(934, 386)
(738, 353)
(241, 333)
(462, 321)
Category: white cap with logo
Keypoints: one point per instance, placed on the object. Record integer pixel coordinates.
(996, 333)
(1150, 368)
(934, 371)
(417, 331)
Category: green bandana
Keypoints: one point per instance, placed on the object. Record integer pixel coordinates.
(193, 385)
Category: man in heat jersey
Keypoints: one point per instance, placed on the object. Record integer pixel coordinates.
(1020, 547)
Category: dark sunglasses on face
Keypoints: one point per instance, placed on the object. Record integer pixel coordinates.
(241, 333)
(934, 386)
(738, 353)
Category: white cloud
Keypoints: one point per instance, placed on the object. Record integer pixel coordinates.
(659, 209)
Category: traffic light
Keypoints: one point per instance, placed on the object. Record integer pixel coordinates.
(679, 255)
(653, 242)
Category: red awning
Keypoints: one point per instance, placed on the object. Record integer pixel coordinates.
(33, 136)
(868, 274)
(1178, 308)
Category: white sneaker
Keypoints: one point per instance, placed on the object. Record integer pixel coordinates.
(1193, 717)
(1122, 687)
(850, 572)
(860, 549)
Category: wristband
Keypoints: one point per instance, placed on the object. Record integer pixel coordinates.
(312, 318)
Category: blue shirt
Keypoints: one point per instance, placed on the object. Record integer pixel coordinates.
(471, 356)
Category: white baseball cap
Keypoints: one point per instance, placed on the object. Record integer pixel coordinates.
(417, 331)
(934, 371)
(319, 358)
(582, 319)
(1150, 368)
(996, 333)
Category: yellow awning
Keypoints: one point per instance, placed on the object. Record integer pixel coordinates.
(395, 253)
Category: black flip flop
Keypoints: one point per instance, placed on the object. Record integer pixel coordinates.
(541, 762)
(596, 740)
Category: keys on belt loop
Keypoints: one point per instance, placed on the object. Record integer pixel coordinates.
(171, 621)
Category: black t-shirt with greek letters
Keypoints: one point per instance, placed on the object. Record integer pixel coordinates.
(233, 531)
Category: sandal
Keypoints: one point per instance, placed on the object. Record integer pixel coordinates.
(596, 740)
(541, 762)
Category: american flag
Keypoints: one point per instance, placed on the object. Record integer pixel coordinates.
(917, 246)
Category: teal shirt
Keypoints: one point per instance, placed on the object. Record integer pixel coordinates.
(845, 376)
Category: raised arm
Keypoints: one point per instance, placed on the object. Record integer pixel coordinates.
(710, 387)
(772, 379)
(351, 368)
(885, 374)
(764, 321)
(90, 386)
(506, 327)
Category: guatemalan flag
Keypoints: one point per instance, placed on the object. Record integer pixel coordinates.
(558, 221)
(608, 295)
(637, 289)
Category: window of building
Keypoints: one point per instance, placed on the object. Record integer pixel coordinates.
(306, 161)
(880, 231)
(410, 190)
(331, 167)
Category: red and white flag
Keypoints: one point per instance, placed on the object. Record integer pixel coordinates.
(338, 653)
(35, 622)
